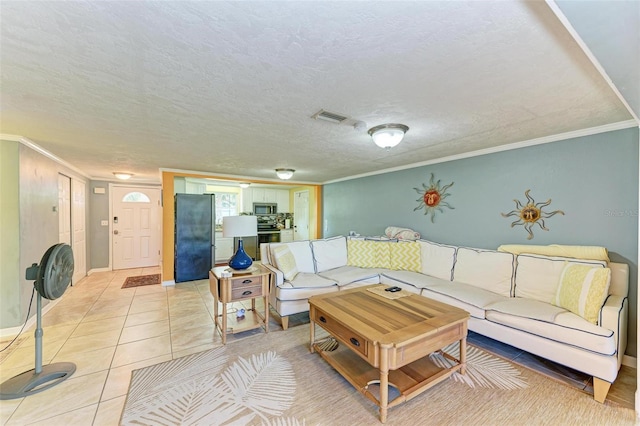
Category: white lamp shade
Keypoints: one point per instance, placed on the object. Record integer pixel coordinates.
(388, 135)
(239, 226)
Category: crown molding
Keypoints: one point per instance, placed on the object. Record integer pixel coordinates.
(39, 149)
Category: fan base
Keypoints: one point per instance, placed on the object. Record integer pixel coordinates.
(29, 382)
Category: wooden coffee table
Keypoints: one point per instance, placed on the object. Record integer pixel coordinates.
(387, 341)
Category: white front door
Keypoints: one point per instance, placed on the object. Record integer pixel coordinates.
(301, 215)
(79, 236)
(135, 227)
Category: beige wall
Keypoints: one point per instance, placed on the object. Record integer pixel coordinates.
(10, 313)
(30, 190)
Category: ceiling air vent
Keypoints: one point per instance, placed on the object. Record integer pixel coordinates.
(329, 116)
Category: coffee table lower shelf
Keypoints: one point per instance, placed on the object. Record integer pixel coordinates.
(409, 380)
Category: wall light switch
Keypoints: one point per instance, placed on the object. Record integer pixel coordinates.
(98, 190)
(104, 223)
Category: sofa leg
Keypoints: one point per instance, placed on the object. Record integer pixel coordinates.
(285, 322)
(600, 389)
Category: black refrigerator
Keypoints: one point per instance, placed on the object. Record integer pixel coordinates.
(194, 236)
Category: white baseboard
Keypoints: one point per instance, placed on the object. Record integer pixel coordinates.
(14, 331)
(630, 361)
(170, 283)
(91, 271)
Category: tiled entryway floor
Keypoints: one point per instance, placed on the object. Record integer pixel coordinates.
(108, 331)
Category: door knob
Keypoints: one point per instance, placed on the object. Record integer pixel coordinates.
(115, 231)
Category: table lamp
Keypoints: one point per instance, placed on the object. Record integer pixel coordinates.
(240, 226)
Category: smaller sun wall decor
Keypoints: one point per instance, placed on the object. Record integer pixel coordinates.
(531, 213)
(432, 197)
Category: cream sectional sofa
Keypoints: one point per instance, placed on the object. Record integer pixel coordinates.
(508, 296)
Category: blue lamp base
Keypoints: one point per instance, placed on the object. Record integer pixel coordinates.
(240, 260)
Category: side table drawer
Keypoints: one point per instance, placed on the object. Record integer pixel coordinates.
(354, 340)
(246, 292)
(245, 282)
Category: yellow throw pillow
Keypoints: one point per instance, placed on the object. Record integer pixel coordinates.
(583, 290)
(285, 262)
(368, 254)
(405, 256)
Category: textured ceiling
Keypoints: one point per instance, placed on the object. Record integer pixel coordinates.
(229, 87)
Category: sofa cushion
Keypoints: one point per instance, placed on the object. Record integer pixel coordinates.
(583, 290)
(537, 276)
(285, 262)
(567, 328)
(303, 286)
(368, 254)
(415, 279)
(468, 297)
(405, 256)
(329, 253)
(488, 269)
(527, 308)
(301, 252)
(350, 274)
(437, 259)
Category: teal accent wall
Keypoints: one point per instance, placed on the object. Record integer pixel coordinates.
(592, 179)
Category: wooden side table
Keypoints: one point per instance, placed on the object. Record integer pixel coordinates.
(241, 286)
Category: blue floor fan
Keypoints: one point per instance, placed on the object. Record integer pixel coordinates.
(52, 277)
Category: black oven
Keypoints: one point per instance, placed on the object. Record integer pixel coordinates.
(268, 237)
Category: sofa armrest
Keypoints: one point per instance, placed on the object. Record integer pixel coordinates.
(614, 316)
(278, 273)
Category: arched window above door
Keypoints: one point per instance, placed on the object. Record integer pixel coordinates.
(135, 197)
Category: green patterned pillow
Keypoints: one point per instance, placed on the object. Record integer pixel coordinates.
(583, 289)
(285, 262)
(405, 256)
(368, 254)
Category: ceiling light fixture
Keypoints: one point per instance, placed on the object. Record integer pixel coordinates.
(123, 175)
(244, 184)
(284, 173)
(388, 135)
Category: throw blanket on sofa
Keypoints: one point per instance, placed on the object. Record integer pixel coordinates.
(401, 233)
(578, 252)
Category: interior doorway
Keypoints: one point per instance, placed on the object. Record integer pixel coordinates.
(301, 215)
(64, 209)
(135, 227)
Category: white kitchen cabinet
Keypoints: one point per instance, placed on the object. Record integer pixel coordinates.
(265, 195)
(195, 187)
(224, 248)
(282, 198)
(286, 235)
(247, 200)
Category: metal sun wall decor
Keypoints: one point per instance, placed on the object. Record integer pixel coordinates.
(531, 213)
(432, 197)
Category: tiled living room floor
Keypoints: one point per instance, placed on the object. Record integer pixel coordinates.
(108, 331)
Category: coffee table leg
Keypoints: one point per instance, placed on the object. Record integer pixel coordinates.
(463, 355)
(312, 335)
(384, 383)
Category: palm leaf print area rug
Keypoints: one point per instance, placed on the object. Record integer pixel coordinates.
(273, 379)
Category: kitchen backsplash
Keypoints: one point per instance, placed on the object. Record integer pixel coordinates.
(281, 219)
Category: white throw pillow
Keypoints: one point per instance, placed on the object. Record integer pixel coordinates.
(330, 253)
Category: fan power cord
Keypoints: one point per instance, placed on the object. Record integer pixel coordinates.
(33, 292)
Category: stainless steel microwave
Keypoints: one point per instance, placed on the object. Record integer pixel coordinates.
(265, 208)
